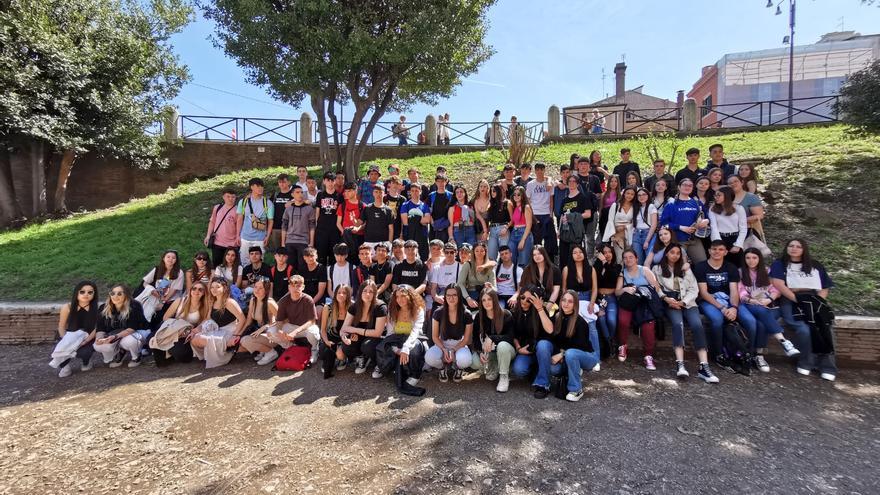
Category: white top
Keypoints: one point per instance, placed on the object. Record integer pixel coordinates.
(504, 279)
(640, 222)
(726, 224)
(540, 195)
(339, 275)
(226, 272)
(795, 278)
(443, 275)
(176, 286)
(618, 216)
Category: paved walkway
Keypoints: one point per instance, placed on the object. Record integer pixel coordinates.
(244, 429)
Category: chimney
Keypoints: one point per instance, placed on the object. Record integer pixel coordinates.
(620, 82)
(679, 99)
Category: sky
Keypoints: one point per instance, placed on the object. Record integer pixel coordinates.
(552, 52)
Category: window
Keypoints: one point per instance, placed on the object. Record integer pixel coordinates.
(706, 107)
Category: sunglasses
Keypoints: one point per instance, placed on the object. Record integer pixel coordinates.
(451, 294)
(84, 292)
(201, 258)
(450, 251)
(197, 289)
(117, 293)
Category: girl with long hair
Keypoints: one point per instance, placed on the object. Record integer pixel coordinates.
(633, 180)
(480, 205)
(716, 178)
(797, 273)
(619, 229)
(230, 269)
(660, 196)
(261, 313)
(165, 283)
(194, 308)
(759, 309)
(749, 177)
(363, 326)
(609, 197)
(201, 269)
(632, 277)
(529, 317)
(607, 272)
(216, 339)
(541, 272)
(121, 327)
(664, 238)
(499, 220)
(403, 346)
(461, 218)
(477, 270)
(332, 321)
(77, 326)
(521, 216)
(493, 340)
(579, 276)
(451, 331)
(573, 346)
(679, 291)
(729, 224)
(644, 223)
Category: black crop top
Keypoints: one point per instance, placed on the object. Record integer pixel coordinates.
(571, 283)
(499, 215)
(606, 274)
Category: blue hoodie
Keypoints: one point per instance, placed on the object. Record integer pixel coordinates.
(681, 213)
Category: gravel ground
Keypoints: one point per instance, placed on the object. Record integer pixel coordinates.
(244, 429)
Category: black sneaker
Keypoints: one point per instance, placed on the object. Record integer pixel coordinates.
(540, 392)
(443, 376)
(724, 364)
(457, 376)
(706, 374)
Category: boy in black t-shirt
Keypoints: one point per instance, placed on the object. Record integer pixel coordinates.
(719, 295)
(382, 272)
(280, 274)
(365, 261)
(378, 220)
(255, 271)
(411, 271)
(314, 276)
(326, 205)
(280, 200)
(394, 200)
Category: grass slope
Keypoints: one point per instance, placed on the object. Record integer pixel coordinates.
(820, 184)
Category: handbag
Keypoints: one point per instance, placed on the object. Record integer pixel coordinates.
(294, 358)
(217, 226)
(559, 386)
(256, 222)
(753, 241)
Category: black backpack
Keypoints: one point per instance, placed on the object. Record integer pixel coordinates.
(735, 342)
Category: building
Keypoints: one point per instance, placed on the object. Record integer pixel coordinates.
(751, 88)
(628, 111)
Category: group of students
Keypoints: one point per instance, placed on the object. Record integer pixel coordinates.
(360, 269)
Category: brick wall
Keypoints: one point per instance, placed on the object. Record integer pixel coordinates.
(858, 337)
(101, 182)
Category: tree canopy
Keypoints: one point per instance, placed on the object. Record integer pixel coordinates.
(86, 75)
(859, 103)
(378, 55)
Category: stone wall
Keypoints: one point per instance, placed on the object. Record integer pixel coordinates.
(858, 337)
(99, 182)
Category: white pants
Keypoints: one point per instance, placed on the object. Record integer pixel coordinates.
(132, 343)
(312, 334)
(434, 356)
(215, 353)
(243, 257)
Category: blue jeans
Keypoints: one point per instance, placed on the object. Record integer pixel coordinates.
(463, 235)
(639, 238)
(608, 321)
(522, 364)
(401, 140)
(496, 240)
(802, 340)
(716, 327)
(692, 315)
(543, 353)
(584, 295)
(520, 257)
(760, 322)
(545, 234)
(577, 360)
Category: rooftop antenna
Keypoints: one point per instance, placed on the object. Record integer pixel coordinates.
(840, 25)
(623, 57)
(603, 83)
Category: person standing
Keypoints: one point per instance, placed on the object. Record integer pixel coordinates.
(378, 220)
(716, 153)
(660, 174)
(692, 170)
(350, 221)
(401, 131)
(326, 206)
(366, 185)
(495, 129)
(222, 232)
(540, 193)
(598, 122)
(281, 199)
(626, 166)
(253, 220)
(298, 228)
(416, 216)
(394, 200)
(439, 202)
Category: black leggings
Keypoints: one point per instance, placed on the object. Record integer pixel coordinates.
(181, 352)
(387, 360)
(85, 353)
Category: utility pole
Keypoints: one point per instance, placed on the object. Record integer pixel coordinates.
(791, 4)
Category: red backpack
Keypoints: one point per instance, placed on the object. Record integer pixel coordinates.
(294, 358)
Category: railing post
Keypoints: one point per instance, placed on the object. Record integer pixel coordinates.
(170, 129)
(553, 121)
(690, 116)
(430, 130)
(305, 128)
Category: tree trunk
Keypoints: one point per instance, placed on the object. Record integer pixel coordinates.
(352, 164)
(67, 161)
(10, 208)
(334, 122)
(38, 160)
(380, 109)
(318, 106)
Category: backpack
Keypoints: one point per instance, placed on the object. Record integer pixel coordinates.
(294, 358)
(289, 269)
(735, 344)
(572, 230)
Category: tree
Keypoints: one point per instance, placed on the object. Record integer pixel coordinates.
(79, 76)
(859, 102)
(379, 55)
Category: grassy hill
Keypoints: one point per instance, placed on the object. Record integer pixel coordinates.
(818, 183)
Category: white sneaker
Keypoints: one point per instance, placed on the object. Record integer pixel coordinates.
(86, 366)
(259, 356)
(360, 366)
(574, 396)
(134, 363)
(803, 371)
(314, 358)
(65, 371)
(828, 376)
(503, 383)
(789, 348)
(377, 373)
(649, 364)
(761, 363)
(681, 372)
(597, 367)
(268, 358)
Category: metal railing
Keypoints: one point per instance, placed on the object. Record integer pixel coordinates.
(212, 128)
(769, 112)
(623, 121)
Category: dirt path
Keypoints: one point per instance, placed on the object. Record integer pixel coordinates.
(244, 429)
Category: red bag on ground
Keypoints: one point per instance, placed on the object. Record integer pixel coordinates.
(294, 358)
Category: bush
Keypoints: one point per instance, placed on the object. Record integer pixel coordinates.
(859, 103)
